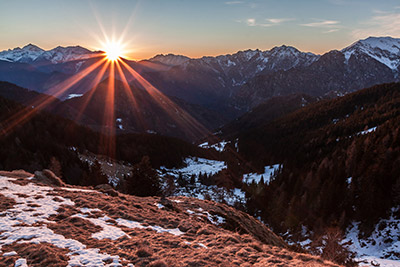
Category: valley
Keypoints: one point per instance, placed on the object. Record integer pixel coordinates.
(268, 157)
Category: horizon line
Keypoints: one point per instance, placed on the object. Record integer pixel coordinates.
(94, 50)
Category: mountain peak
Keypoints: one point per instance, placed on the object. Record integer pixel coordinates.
(32, 47)
(384, 43)
(31, 53)
(170, 59)
(285, 48)
(385, 49)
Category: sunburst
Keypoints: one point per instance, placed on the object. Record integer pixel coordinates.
(112, 64)
(113, 50)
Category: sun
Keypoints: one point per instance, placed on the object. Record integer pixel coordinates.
(113, 51)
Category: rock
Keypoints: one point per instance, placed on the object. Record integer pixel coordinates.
(106, 188)
(48, 177)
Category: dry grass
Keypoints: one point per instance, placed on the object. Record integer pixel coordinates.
(20, 175)
(6, 203)
(74, 228)
(241, 241)
(37, 255)
(144, 252)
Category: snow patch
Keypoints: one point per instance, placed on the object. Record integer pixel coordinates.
(9, 254)
(21, 263)
(382, 246)
(373, 129)
(159, 205)
(268, 174)
(158, 229)
(217, 146)
(202, 245)
(108, 232)
(74, 95)
(16, 222)
(196, 166)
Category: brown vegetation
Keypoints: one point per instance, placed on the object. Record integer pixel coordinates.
(6, 203)
(43, 254)
(240, 241)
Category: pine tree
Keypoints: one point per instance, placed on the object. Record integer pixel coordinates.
(192, 179)
(181, 181)
(144, 180)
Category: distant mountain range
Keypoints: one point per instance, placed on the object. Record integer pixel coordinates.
(34, 54)
(364, 63)
(229, 85)
(248, 78)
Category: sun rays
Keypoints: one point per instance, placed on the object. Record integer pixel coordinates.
(109, 62)
(112, 66)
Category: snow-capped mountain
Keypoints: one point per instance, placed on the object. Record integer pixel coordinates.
(211, 81)
(170, 59)
(374, 60)
(64, 54)
(237, 68)
(231, 83)
(386, 50)
(26, 54)
(32, 53)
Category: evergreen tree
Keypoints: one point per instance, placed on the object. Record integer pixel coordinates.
(192, 179)
(144, 180)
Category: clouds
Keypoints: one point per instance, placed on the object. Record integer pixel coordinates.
(280, 20)
(245, 3)
(329, 26)
(234, 2)
(322, 24)
(382, 24)
(330, 31)
(252, 22)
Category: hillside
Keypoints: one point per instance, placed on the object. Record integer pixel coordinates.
(338, 167)
(139, 110)
(46, 223)
(26, 97)
(44, 140)
(268, 111)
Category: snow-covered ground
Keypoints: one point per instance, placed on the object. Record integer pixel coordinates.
(158, 229)
(217, 146)
(196, 166)
(74, 95)
(268, 174)
(193, 166)
(21, 223)
(370, 130)
(383, 246)
(373, 129)
(214, 219)
(26, 222)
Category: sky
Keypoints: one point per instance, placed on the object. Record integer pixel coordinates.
(196, 28)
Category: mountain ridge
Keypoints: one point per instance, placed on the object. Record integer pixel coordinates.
(31, 53)
(236, 83)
